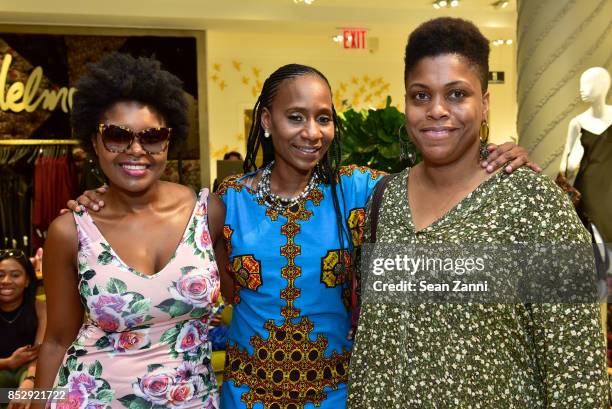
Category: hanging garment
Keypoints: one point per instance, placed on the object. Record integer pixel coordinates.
(15, 200)
(593, 181)
(54, 184)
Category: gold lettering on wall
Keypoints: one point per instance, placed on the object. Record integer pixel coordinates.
(23, 97)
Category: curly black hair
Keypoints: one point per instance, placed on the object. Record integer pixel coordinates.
(120, 77)
(448, 35)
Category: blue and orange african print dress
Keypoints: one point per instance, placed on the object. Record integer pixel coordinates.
(287, 343)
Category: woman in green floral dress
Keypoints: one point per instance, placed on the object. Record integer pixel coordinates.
(470, 355)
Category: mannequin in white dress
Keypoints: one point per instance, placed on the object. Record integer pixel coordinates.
(594, 86)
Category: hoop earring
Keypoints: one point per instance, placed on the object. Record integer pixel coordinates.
(406, 155)
(484, 138)
(266, 134)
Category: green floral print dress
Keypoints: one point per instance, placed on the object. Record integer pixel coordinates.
(442, 355)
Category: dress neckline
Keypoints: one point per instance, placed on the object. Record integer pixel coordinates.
(174, 253)
(464, 206)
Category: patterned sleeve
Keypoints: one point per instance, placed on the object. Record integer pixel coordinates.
(229, 183)
(358, 183)
(568, 337)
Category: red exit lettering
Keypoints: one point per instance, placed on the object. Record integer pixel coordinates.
(354, 37)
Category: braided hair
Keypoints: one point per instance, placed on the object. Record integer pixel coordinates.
(327, 169)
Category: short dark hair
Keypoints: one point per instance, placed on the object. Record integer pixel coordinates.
(120, 77)
(232, 153)
(448, 35)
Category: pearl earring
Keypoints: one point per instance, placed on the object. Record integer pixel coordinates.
(266, 134)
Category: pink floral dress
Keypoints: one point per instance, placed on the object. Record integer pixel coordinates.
(144, 343)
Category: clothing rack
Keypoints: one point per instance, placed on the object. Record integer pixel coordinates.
(39, 142)
(23, 221)
(13, 150)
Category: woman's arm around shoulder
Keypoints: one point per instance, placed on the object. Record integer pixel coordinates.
(216, 222)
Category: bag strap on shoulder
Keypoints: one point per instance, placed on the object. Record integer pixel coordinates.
(379, 190)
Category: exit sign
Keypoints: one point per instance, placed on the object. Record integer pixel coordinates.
(354, 37)
(496, 77)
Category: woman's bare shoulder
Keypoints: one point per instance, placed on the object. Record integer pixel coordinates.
(64, 226)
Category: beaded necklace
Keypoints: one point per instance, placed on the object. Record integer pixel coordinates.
(276, 202)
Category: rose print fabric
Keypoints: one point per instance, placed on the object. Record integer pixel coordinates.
(144, 342)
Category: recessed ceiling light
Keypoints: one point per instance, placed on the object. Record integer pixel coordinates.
(500, 4)
(502, 42)
(438, 4)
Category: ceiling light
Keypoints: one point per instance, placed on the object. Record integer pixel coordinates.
(502, 42)
(308, 2)
(500, 4)
(438, 4)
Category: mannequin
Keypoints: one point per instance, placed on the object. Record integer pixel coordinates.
(594, 86)
(587, 157)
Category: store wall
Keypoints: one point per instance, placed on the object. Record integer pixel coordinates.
(238, 63)
(87, 45)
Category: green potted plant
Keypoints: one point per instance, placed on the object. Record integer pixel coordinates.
(372, 138)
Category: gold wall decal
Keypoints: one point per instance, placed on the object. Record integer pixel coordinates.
(360, 92)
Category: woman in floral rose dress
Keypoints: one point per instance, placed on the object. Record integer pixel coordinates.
(142, 271)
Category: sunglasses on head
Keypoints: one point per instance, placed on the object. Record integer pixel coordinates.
(12, 253)
(118, 139)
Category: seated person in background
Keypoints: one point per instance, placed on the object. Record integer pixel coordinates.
(22, 321)
(231, 155)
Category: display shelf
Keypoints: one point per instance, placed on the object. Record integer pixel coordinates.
(39, 142)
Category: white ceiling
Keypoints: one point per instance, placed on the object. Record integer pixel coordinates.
(381, 17)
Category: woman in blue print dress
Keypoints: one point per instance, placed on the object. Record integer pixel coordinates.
(287, 344)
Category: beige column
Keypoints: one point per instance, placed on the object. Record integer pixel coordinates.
(557, 41)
